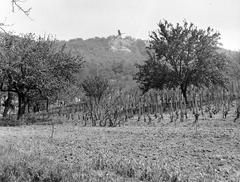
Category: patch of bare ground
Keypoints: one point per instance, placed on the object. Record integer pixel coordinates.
(205, 151)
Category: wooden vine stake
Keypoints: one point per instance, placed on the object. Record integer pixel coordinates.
(201, 101)
(185, 108)
(171, 105)
(193, 102)
(156, 105)
(196, 110)
(196, 113)
(211, 99)
(139, 108)
(237, 103)
(52, 123)
(148, 107)
(181, 106)
(224, 104)
(144, 107)
(160, 105)
(176, 101)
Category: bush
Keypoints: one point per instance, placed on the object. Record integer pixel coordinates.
(9, 121)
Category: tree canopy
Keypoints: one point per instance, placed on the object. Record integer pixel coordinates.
(95, 86)
(180, 56)
(34, 69)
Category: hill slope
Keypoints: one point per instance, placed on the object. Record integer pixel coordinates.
(109, 56)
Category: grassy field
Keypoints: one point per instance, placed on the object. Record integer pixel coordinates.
(136, 151)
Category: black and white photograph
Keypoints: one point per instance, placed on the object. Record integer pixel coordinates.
(119, 90)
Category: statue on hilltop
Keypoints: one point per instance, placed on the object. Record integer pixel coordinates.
(120, 34)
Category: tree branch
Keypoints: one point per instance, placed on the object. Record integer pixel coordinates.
(15, 3)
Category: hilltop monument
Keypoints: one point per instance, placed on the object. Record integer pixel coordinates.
(120, 34)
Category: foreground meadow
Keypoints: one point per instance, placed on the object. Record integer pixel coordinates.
(136, 151)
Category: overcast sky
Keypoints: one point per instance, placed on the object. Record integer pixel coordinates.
(69, 19)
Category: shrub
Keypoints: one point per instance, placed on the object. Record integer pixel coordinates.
(9, 121)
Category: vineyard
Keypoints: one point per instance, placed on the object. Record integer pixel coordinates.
(115, 109)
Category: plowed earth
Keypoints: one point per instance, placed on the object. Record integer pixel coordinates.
(209, 149)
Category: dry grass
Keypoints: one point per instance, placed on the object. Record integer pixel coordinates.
(136, 151)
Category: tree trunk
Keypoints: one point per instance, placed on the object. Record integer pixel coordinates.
(24, 105)
(91, 107)
(21, 105)
(7, 104)
(47, 105)
(29, 107)
(184, 92)
(36, 107)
